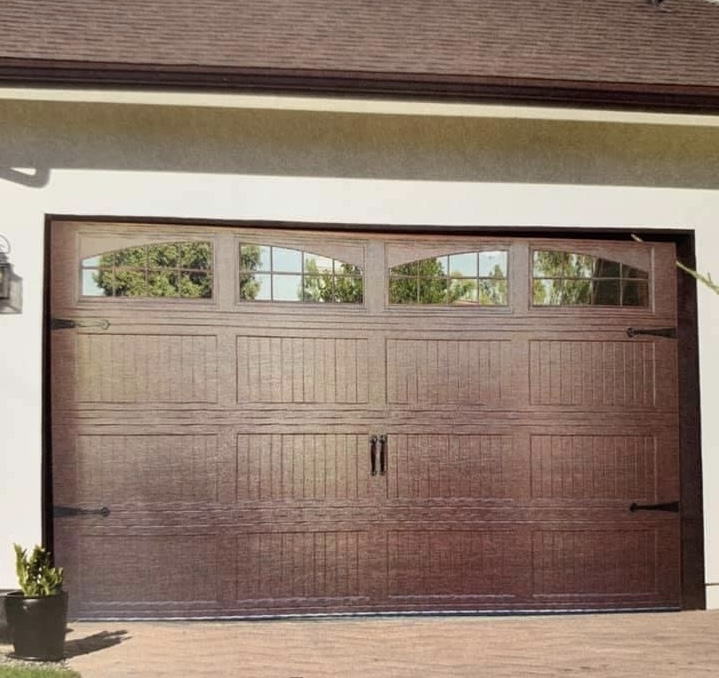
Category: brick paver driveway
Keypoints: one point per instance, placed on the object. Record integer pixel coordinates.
(676, 645)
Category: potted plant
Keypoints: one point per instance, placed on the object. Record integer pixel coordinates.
(37, 614)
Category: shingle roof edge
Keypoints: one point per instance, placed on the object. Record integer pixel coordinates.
(417, 86)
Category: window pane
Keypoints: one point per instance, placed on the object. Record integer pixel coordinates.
(463, 265)
(255, 258)
(286, 288)
(437, 266)
(582, 265)
(92, 262)
(635, 293)
(603, 268)
(629, 272)
(286, 261)
(605, 293)
(90, 286)
(547, 263)
(410, 269)
(347, 269)
(132, 256)
(195, 285)
(130, 283)
(492, 292)
(195, 255)
(256, 287)
(403, 291)
(541, 292)
(318, 288)
(160, 256)
(317, 264)
(462, 291)
(348, 290)
(575, 291)
(162, 284)
(493, 264)
(432, 291)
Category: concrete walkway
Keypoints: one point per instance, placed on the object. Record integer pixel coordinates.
(671, 645)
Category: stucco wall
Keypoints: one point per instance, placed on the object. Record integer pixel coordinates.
(151, 161)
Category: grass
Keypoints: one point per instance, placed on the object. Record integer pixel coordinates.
(36, 672)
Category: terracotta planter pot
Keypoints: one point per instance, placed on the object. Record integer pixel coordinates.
(37, 625)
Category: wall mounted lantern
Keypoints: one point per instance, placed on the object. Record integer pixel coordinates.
(5, 269)
(10, 284)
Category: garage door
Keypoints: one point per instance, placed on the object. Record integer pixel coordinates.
(258, 422)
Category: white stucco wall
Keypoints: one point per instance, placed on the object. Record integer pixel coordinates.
(135, 161)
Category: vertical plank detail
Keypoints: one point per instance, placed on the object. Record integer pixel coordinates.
(301, 467)
(454, 467)
(287, 369)
(117, 368)
(589, 373)
(447, 371)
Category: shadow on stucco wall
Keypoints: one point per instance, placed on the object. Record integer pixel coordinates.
(347, 145)
(37, 177)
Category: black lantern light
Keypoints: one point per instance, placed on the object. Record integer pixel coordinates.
(5, 269)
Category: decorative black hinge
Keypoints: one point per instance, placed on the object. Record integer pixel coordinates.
(69, 324)
(671, 506)
(669, 332)
(66, 511)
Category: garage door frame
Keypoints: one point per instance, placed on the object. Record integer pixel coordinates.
(692, 517)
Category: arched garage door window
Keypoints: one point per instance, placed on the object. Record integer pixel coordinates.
(571, 279)
(467, 278)
(271, 273)
(175, 269)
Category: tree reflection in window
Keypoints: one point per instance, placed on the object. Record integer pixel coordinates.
(270, 273)
(468, 278)
(181, 269)
(567, 279)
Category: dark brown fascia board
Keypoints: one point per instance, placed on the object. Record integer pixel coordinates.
(420, 87)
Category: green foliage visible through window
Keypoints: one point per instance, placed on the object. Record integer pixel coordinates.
(270, 273)
(567, 279)
(181, 270)
(469, 278)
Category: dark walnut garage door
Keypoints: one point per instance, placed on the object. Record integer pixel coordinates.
(258, 422)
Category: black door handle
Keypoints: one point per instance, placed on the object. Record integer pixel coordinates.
(671, 506)
(373, 455)
(382, 455)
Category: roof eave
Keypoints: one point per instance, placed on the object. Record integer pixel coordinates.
(670, 98)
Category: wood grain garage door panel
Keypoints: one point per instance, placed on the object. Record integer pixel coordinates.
(112, 470)
(455, 467)
(457, 563)
(594, 467)
(302, 369)
(627, 374)
(146, 368)
(294, 568)
(447, 371)
(590, 562)
(302, 467)
(151, 568)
